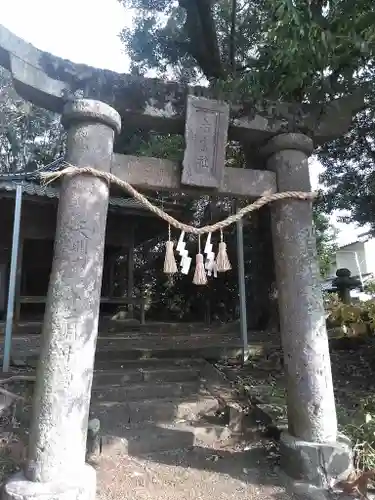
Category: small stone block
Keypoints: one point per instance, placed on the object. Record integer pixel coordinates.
(275, 400)
(260, 390)
(206, 132)
(317, 464)
(275, 412)
(93, 444)
(18, 362)
(268, 394)
(236, 416)
(81, 487)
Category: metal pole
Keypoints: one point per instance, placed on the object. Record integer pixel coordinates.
(359, 268)
(242, 288)
(12, 278)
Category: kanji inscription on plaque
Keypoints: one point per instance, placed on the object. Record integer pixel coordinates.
(206, 131)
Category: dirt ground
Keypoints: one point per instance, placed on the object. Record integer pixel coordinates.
(14, 423)
(238, 470)
(196, 474)
(227, 470)
(353, 372)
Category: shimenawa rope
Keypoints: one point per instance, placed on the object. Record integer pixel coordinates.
(70, 171)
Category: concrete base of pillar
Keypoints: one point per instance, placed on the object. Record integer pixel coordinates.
(81, 487)
(317, 464)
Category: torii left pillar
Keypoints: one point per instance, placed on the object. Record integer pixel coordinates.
(55, 467)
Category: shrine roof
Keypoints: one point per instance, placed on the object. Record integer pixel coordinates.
(32, 188)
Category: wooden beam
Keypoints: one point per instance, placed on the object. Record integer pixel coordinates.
(17, 304)
(165, 175)
(131, 274)
(111, 271)
(130, 271)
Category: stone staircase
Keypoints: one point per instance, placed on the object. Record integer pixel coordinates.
(155, 390)
(155, 405)
(137, 345)
(178, 345)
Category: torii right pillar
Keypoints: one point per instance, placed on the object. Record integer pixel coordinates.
(311, 451)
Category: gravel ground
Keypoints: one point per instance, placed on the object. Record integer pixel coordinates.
(194, 474)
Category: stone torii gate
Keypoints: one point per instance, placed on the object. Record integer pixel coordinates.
(93, 103)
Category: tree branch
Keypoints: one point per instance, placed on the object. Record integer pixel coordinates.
(316, 9)
(209, 31)
(18, 378)
(232, 46)
(201, 32)
(368, 148)
(11, 394)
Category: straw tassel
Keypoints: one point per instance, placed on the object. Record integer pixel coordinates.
(200, 277)
(222, 259)
(170, 266)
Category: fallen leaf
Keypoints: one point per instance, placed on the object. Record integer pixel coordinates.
(357, 484)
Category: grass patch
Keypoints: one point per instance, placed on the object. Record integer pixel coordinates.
(14, 425)
(360, 428)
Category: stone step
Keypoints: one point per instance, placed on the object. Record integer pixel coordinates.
(148, 364)
(133, 353)
(140, 440)
(172, 338)
(144, 391)
(124, 326)
(143, 345)
(148, 341)
(148, 346)
(129, 373)
(153, 410)
(213, 352)
(114, 327)
(116, 378)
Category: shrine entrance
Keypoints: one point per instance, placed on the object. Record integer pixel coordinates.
(35, 247)
(311, 448)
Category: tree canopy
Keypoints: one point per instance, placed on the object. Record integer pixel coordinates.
(29, 136)
(160, 39)
(325, 240)
(278, 49)
(294, 50)
(349, 177)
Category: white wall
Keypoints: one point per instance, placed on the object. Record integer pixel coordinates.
(370, 255)
(345, 257)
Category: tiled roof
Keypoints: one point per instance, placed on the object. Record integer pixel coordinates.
(34, 189)
(31, 186)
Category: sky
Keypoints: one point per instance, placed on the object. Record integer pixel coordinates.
(87, 31)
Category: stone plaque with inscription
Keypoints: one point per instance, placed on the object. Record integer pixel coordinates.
(206, 131)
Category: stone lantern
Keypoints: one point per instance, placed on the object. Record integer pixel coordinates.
(343, 283)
